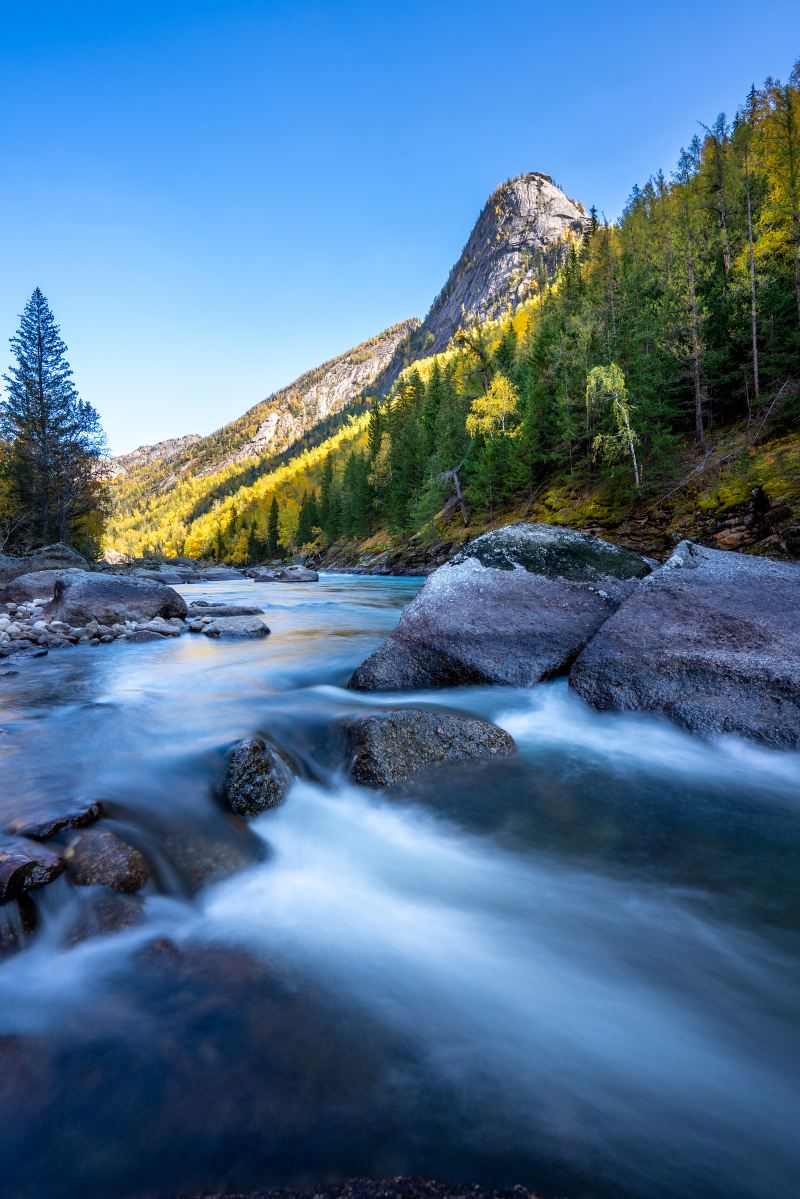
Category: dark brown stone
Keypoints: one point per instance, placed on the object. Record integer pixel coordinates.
(98, 857)
(25, 866)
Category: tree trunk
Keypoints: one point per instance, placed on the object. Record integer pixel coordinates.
(699, 418)
(752, 260)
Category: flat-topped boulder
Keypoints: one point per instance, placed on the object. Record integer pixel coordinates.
(387, 747)
(235, 627)
(201, 609)
(109, 598)
(513, 607)
(711, 640)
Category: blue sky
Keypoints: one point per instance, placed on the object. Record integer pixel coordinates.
(216, 197)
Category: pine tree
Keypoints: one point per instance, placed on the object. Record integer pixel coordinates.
(273, 527)
(54, 437)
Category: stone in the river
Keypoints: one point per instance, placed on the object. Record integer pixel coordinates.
(264, 574)
(258, 777)
(25, 866)
(236, 627)
(98, 857)
(208, 609)
(38, 584)
(387, 747)
(43, 825)
(390, 1188)
(513, 607)
(109, 598)
(140, 636)
(711, 640)
(102, 913)
(297, 574)
(50, 557)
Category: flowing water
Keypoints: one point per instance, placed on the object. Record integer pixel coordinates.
(576, 969)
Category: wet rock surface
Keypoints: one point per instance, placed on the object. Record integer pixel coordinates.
(25, 866)
(388, 747)
(515, 621)
(257, 778)
(712, 640)
(44, 825)
(371, 1188)
(201, 609)
(99, 857)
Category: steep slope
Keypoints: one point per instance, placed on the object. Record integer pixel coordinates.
(516, 245)
(271, 426)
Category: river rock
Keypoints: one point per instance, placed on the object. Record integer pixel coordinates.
(99, 857)
(204, 608)
(513, 607)
(50, 557)
(387, 747)
(711, 640)
(109, 598)
(264, 574)
(38, 584)
(258, 777)
(44, 825)
(297, 574)
(236, 627)
(25, 866)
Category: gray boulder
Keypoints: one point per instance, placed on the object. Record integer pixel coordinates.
(258, 777)
(203, 608)
(109, 599)
(50, 557)
(264, 574)
(387, 747)
(711, 640)
(297, 574)
(38, 584)
(228, 627)
(513, 607)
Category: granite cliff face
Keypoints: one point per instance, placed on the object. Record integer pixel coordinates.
(517, 243)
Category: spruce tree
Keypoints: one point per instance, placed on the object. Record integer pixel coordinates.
(54, 437)
(273, 529)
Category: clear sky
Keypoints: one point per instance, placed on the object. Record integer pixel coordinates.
(218, 196)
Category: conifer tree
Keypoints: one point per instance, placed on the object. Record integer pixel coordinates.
(54, 438)
(273, 529)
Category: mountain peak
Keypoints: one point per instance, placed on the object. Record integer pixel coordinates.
(518, 240)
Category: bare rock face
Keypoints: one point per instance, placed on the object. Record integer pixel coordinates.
(110, 598)
(515, 606)
(711, 640)
(521, 234)
(388, 747)
(258, 777)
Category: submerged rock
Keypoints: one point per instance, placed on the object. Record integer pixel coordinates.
(236, 627)
(98, 857)
(515, 606)
(258, 777)
(24, 867)
(712, 640)
(109, 598)
(387, 747)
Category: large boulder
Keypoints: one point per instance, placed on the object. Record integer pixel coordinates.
(387, 747)
(711, 640)
(50, 557)
(513, 607)
(38, 584)
(111, 599)
(297, 574)
(257, 778)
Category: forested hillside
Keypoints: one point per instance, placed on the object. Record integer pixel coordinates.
(660, 361)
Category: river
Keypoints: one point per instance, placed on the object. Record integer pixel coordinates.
(576, 969)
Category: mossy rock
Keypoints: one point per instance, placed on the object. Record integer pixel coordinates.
(555, 553)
